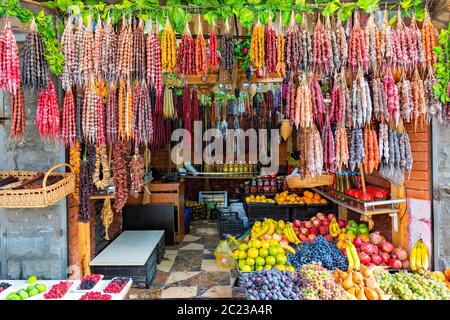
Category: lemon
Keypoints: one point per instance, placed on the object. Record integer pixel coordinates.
(273, 242)
(256, 244)
(243, 247)
(259, 268)
(268, 267)
(265, 244)
(273, 251)
(290, 268)
(270, 260)
(250, 261)
(260, 261)
(242, 255)
(236, 254)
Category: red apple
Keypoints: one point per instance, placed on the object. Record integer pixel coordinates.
(311, 237)
(367, 248)
(376, 259)
(316, 222)
(358, 242)
(303, 238)
(323, 230)
(387, 247)
(385, 256)
(321, 216)
(326, 223)
(304, 231)
(314, 231)
(331, 216)
(342, 223)
(308, 224)
(297, 223)
(364, 258)
(328, 237)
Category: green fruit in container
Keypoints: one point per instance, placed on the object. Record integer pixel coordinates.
(23, 294)
(270, 260)
(241, 264)
(32, 279)
(242, 255)
(40, 287)
(250, 261)
(33, 292)
(281, 259)
(260, 261)
(263, 252)
(13, 296)
(273, 251)
(29, 288)
(246, 268)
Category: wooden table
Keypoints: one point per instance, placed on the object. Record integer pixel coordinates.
(166, 193)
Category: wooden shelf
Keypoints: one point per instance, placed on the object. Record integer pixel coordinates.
(213, 79)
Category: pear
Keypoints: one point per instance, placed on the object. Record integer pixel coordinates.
(348, 282)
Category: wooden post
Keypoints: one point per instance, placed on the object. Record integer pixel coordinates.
(363, 180)
(84, 232)
(401, 237)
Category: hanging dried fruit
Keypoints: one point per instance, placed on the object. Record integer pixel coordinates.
(89, 114)
(201, 63)
(142, 115)
(154, 71)
(124, 50)
(294, 47)
(18, 115)
(227, 48)
(109, 53)
(429, 41)
(136, 174)
(87, 63)
(70, 57)
(270, 37)
(120, 175)
(138, 53)
(358, 57)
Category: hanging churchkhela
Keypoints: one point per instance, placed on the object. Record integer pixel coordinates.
(109, 53)
(186, 53)
(357, 58)
(138, 53)
(227, 48)
(70, 58)
(213, 57)
(142, 117)
(168, 48)
(68, 126)
(136, 174)
(35, 71)
(154, 71)
(201, 63)
(9, 61)
(47, 113)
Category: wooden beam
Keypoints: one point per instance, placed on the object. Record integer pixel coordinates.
(401, 237)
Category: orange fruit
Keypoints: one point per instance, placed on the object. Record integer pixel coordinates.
(316, 196)
(324, 201)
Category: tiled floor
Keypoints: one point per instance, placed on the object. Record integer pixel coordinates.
(190, 270)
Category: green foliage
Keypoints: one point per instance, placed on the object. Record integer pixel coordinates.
(442, 52)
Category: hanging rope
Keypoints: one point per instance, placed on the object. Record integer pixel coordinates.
(107, 216)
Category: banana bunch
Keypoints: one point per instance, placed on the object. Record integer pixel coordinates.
(334, 228)
(418, 259)
(290, 234)
(352, 256)
(261, 229)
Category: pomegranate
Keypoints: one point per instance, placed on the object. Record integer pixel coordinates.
(387, 247)
(385, 256)
(326, 223)
(323, 230)
(303, 238)
(358, 241)
(400, 253)
(364, 258)
(308, 224)
(405, 264)
(331, 216)
(320, 216)
(316, 222)
(342, 223)
(314, 231)
(304, 231)
(376, 259)
(375, 238)
(395, 263)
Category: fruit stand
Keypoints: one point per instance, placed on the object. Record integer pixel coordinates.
(312, 119)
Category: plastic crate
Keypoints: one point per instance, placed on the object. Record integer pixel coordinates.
(229, 223)
(259, 211)
(198, 213)
(306, 212)
(140, 274)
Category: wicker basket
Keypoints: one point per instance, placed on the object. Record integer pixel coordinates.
(41, 197)
(309, 181)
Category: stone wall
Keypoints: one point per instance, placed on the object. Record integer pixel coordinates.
(32, 241)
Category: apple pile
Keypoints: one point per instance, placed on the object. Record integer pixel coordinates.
(307, 231)
(380, 252)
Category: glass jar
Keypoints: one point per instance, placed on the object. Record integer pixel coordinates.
(273, 185)
(260, 185)
(254, 187)
(226, 168)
